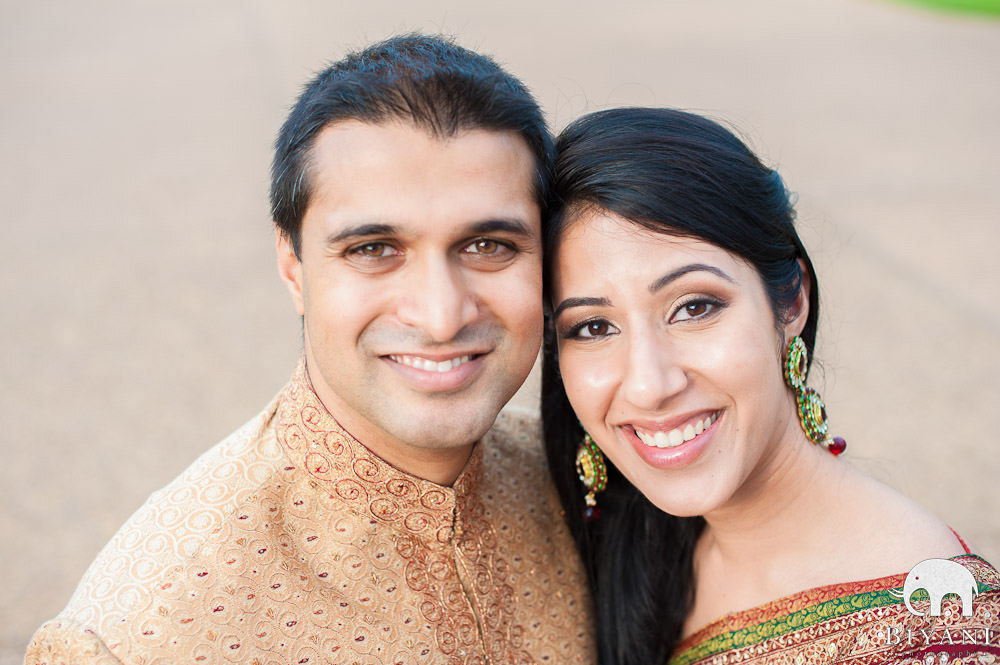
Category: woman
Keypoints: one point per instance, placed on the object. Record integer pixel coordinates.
(726, 528)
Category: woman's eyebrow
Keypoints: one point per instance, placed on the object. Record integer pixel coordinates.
(683, 270)
(580, 302)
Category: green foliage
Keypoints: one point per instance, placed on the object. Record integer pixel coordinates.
(989, 7)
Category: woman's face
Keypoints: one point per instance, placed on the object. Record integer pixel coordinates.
(671, 358)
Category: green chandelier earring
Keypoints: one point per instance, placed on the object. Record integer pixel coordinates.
(593, 473)
(811, 410)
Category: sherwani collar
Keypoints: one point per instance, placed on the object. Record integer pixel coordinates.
(343, 468)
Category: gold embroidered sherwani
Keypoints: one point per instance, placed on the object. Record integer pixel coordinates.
(290, 542)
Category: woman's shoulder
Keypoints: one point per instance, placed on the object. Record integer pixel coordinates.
(893, 532)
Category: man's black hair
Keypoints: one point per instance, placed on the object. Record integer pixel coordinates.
(427, 80)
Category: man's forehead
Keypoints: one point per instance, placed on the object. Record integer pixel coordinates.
(396, 177)
(378, 150)
(352, 131)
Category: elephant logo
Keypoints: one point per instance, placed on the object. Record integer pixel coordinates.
(940, 578)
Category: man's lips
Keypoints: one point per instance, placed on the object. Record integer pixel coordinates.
(431, 365)
(437, 372)
(436, 362)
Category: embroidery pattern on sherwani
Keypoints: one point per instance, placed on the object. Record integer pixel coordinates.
(292, 543)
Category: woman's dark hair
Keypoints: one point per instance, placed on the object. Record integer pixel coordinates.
(683, 175)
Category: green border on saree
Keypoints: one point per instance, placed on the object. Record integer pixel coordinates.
(783, 625)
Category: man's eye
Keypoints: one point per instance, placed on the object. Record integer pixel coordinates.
(375, 250)
(488, 247)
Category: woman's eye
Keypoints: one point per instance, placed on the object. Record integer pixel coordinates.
(693, 310)
(592, 329)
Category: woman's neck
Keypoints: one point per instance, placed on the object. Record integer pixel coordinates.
(777, 536)
(792, 492)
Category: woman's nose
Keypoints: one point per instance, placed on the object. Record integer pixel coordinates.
(653, 373)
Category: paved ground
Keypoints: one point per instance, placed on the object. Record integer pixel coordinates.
(142, 319)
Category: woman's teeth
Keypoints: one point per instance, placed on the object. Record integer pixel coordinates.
(676, 437)
(430, 365)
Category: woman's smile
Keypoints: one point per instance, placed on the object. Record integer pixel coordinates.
(658, 435)
(669, 353)
(681, 447)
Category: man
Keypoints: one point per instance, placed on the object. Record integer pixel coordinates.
(374, 512)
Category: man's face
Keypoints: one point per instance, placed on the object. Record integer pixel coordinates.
(419, 283)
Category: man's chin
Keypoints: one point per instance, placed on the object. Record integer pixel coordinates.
(446, 428)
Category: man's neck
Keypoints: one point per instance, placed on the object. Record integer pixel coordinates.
(441, 466)
(438, 465)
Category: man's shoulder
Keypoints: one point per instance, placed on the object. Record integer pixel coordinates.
(517, 427)
(174, 524)
(514, 456)
(65, 641)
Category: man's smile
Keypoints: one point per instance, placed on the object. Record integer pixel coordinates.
(438, 373)
(430, 365)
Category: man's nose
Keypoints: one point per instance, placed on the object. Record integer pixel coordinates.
(653, 373)
(437, 299)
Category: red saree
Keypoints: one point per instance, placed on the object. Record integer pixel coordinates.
(857, 623)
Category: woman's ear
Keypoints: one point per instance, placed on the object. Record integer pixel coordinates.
(798, 313)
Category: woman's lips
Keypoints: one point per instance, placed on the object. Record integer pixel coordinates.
(677, 435)
(676, 455)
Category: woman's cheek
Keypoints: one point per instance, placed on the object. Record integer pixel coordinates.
(590, 385)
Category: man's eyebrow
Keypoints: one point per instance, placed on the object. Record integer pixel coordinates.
(515, 226)
(683, 270)
(580, 302)
(361, 231)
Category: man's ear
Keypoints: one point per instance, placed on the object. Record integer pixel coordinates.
(290, 269)
(798, 313)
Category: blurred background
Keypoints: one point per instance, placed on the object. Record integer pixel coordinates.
(143, 320)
